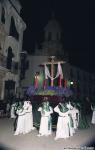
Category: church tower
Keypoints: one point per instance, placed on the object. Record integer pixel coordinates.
(53, 39)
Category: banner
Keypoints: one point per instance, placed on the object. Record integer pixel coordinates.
(59, 72)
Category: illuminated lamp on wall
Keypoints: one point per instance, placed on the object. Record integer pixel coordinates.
(71, 83)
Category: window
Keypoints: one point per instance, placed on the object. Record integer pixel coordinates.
(78, 75)
(13, 31)
(78, 88)
(49, 36)
(9, 58)
(3, 16)
(57, 36)
(71, 74)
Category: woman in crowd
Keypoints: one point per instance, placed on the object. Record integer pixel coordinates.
(28, 116)
(45, 123)
(62, 130)
(20, 129)
(93, 114)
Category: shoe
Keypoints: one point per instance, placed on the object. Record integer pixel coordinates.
(33, 128)
(55, 138)
(39, 135)
(47, 135)
(24, 132)
(15, 133)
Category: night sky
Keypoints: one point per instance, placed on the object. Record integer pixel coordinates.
(77, 19)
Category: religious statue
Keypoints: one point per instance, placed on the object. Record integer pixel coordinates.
(51, 75)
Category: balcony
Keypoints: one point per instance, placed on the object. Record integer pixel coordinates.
(2, 61)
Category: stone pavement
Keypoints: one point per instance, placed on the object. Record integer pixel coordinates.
(30, 141)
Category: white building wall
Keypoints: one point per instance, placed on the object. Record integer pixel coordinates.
(10, 41)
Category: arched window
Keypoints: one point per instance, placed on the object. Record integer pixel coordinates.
(3, 16)
(78, 75)
(57, 36)
(71, 73)
(49, 36)
(78, 88)
(13, 31)
(9, 58)
(0, 47)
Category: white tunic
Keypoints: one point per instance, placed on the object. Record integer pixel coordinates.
(13, 111)
(93, 116)
(20, 122)
(72, 118)
(62, 124)
(74, 113)
(45, 129)
(28, 119)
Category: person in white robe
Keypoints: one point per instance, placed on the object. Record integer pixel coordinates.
(93, 114)
(28, 117)
(45, 122)
(21, 120)
(75, 116)
(71, 119)
(62, 130)
(12, 115)
(8, 106)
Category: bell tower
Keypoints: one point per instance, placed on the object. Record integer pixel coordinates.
(52, 44)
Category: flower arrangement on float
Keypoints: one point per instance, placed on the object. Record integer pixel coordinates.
(59, 91)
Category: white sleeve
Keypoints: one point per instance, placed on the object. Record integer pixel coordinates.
(51, 110)
(40, 108)
(56, 109)
(29, 109)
